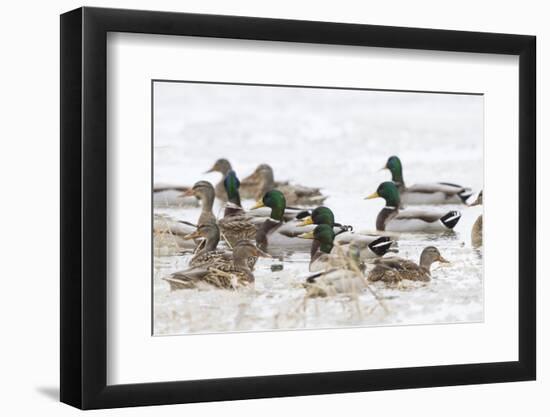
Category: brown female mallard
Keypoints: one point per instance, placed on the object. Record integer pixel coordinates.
(477, 228)
(395, 269)
(262, 180)
(206, 251)
(235, 225)
(222, 166)
(222, 272)
(324, 249)
(204, 192)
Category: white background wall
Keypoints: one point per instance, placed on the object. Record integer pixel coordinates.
(29, 175)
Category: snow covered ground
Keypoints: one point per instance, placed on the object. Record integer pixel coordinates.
(337, 140)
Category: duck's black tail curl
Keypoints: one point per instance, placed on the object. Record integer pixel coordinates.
(381, 245)
(343, 228)
(451, 219)
(465, 195)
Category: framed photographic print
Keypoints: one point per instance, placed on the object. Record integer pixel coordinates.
(258, 207)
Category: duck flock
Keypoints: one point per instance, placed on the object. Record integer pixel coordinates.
(343, 261)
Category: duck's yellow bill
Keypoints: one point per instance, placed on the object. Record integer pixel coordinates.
(373, 195)
(258, 204)
(307, 221)
(193, 235)
(307, 235)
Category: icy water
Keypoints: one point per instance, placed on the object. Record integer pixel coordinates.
(336, 140)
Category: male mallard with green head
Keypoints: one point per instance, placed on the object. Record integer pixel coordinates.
(263, 180)
(274, 232)
(266, 232)
(338, 268)
(431, 193)
(369, 246)
(232, 187)
(477, 228)
(221, 272)
(395, 269)
(324, 249)
(392, 219)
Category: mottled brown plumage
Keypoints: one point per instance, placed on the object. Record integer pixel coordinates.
(395, 269)
(221, 272)
(237, 227)
(206, 252)
(477, 232)
(262, 180)
(477, 228)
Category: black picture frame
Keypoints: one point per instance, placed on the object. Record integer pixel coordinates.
(84, 207)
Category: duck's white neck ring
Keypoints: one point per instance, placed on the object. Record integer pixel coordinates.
(390, 207)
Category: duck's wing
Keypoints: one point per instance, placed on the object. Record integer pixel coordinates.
(334, 281)
(393, 269)
(384, 273)
(427, 216)
(369, 246)
(237, 222)
(209, 257)
(447, 219)
(437, 192)
(396, 262)
(434, 187)
(362, 239)
(299, 194)
(235, 230)
(187, 279)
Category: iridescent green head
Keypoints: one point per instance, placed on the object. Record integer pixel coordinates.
(276, 201)
(324, 234)
(231, 184)
(389, 192)
(321, 215)
(396, 169)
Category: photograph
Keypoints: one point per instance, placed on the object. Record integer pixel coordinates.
(288, 208)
